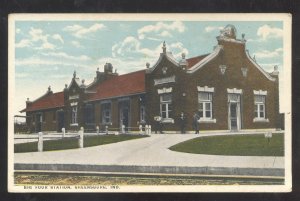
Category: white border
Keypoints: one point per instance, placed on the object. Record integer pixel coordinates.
(285, 18)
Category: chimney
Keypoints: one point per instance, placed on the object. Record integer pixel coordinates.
(108, 68)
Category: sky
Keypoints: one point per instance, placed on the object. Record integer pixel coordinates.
(48, 52)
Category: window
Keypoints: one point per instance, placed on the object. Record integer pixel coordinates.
(142, 113)
(166, 105)
(89, 113)
(106, 113)
(260, 111)
(205, 105)
(74, 115)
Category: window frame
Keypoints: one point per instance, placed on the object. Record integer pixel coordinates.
(204, 102)
(168, 105)
(106, 107)
(74, 115)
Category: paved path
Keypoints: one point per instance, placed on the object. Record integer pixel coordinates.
(150, 151)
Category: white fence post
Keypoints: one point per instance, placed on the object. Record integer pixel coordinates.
(40, 142)
(97, 129)
(80, 141)
(123, 129)
(149, 130)
(63, 130)
(141, 129)
(146, 129)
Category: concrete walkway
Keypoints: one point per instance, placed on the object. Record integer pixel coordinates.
(148, 152)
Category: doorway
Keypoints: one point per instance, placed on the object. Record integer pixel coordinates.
(38, 122)
(124, 114)
(234, 112)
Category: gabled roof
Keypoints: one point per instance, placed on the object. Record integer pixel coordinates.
(193, 60)
(54, 100)
(122, 85)
(169, 57)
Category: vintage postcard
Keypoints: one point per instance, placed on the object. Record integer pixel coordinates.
(149, 103)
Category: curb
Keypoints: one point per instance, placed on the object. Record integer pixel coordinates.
(154, 169)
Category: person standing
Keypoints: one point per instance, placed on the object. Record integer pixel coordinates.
(196, 118)
(182, 122)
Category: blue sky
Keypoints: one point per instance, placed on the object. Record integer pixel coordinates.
(48, 52)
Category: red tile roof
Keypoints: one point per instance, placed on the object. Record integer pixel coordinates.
(192, 61)
(47, 101)
(122, 85)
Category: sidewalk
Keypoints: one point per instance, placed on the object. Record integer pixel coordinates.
(149, 155)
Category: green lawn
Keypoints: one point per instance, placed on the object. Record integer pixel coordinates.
(72, 143)
(237, 145)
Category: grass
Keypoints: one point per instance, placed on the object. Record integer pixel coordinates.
(72, 143)
(237, 145)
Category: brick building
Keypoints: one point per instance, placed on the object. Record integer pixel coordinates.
(227, 88)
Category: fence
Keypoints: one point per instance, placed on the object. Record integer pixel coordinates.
(146, 130)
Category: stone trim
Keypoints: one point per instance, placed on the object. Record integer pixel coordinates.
(234, 91)
(164, 80)
(164, 90)
(259, 68)
(260, 92)
(262, 120)
(206, 89)
(207, 59)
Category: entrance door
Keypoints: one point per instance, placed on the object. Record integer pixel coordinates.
(124, 117)
(60, 120)
(234, 112)
(233, 116)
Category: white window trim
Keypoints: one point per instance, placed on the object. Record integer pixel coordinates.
(167, 119)
(164, 90)
(260, 119)
(260, 92)
(256, 119)
(234, 91)
(207, 120)
(206, 89)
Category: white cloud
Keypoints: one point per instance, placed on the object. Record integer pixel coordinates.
(212, 28)
(76, 44)
(37, 36)
(165, 34)
(58, 37)
(23, 43)
(46, 45)
(66, 56)
(18, 31)
(132, 46)
(265, 32)
(269, 54)
(80, 31)
(161, 29)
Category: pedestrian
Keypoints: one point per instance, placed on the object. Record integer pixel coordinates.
(182, 122)
(196, 118)
(158, 124)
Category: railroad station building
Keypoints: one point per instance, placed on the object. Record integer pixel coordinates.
(227, 88)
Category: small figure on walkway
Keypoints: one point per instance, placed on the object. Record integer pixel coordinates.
(182, 122)
(158, 124)
(196, 118)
